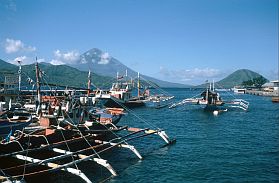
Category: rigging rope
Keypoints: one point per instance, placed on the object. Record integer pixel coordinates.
(134, 114)
(76, 128)
(25, 162)
(156, 87)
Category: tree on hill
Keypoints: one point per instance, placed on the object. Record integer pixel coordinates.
(256, 82)
(248, 83)
(259, 81)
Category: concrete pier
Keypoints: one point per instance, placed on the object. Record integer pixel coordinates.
(262, 93)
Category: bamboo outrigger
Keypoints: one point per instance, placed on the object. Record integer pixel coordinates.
(89, 148)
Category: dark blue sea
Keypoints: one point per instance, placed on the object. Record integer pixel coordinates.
(235, 146)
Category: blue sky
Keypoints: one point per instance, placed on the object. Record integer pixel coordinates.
(185, 41)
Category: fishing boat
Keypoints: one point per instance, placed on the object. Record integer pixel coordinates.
(62, 145)
(41, 152)
(211, 101)
(119, 95)
(104, 116)
(10, 126)
(11, 121)
(93, 118)
(60, 149)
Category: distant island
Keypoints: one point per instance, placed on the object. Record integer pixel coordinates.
(235, 79)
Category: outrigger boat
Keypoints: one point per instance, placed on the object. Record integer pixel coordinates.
(93, 118)
(61, 145)
(34, 152)
(119, 95)
(211, 101)
(42, 152)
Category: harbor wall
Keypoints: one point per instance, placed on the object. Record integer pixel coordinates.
(263, 93)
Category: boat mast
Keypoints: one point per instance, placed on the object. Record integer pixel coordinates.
(206, 96)
(89, 83)
(19, 76)
(138, 84)
(38, 81)
(213, 87)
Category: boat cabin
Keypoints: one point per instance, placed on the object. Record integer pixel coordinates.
(212, 98)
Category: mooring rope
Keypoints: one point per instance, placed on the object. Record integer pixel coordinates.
(134, 114)
(157, 87)
(25, 162)
(5, 175)
(226, 91)
(73, 159)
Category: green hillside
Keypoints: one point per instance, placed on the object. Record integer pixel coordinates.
(56, 74)
(6, 67)
(236, 78)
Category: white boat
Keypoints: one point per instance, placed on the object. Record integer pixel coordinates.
(120, 94)
(239, 90)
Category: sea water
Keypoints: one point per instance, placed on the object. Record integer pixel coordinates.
(234, 146)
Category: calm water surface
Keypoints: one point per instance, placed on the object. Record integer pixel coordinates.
(235, 146)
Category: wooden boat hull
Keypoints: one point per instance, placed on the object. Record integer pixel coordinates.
(7, 127)
(211, 108)
(119, 103)
(275, 99)
(104, 123)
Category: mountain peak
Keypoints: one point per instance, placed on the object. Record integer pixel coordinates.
(95, 56)
(93, 51)
(100, 62)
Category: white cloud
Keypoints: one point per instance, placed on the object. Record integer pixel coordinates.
(204, 73)
(56, 62)
(105, 58)
(190, 75)
(41, 60)
(24, 60)
(12, 46)
(82, 59)
(70, 57)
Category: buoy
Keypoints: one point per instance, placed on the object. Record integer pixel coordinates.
(215, 113)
